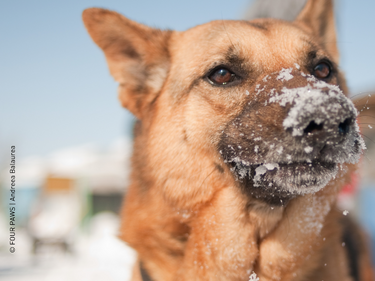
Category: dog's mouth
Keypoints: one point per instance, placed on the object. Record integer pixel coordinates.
(279, 182)
(296, 177)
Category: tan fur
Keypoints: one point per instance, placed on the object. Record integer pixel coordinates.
(184, 213)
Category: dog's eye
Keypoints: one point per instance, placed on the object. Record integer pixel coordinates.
(322, 70)
(221, 76)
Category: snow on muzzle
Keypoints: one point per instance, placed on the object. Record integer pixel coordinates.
(291, 136)
(322, 117)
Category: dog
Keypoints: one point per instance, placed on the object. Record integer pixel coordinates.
(244, 137)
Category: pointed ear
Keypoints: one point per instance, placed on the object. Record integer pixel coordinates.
(318, 17)
(137, 56)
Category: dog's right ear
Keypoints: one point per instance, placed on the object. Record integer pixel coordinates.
(318, 17)
(137, 56)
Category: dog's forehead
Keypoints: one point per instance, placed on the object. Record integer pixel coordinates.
(268, 43)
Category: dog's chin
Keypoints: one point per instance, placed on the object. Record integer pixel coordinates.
(277, 183)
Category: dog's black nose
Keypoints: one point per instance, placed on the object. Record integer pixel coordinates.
(321, 117)
(344, 126)
(314, 129)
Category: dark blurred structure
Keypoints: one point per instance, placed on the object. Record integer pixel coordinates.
(366, 198)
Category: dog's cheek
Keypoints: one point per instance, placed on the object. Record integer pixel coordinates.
(180, 169)
(189, 133)
(208, 111)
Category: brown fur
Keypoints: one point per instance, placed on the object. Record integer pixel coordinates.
(184, 213)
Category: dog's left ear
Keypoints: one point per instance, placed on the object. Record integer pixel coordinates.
(318, 18)
(137, 56)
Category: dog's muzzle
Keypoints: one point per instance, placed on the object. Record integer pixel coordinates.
(291, 137)
(320, 117)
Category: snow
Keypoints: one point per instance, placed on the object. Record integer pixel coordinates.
(253, 277)
(241, 170)
(97, 255)
(345, 212)
(315, 101)
(285, 74)
(256, 148)
(308, 101)
(320, 102)
(271, 166)
(313, 215)
(261, 170)
(280, 150)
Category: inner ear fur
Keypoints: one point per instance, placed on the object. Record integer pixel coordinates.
(137, 56)
(318, 18)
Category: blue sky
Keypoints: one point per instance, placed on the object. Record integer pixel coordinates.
(55, 89)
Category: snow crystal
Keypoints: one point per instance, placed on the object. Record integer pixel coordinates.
(256, 149)
(258, 139)
(261, 170)
(370, 126)
(241, 167)
(308, 149)
(313, 215)
(285, 74)
(297, 66)
(253, 277)
(271, 166)
(345, 213)
(280, 150)
(259, 90)
(247, 92)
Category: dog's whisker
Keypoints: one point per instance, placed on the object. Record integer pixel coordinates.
(368, 138)
(366, 124)
(213, 170)
(368, 94)
(366, 155)
(371, 116)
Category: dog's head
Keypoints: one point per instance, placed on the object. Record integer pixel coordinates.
(258, 104)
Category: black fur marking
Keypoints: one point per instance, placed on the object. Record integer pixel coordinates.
(144, 274)
(352, 246)
(137, 128)
(258, 26)
(128, 50)
(185, 138)
(219, 168)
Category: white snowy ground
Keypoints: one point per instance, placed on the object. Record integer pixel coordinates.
(98, 256)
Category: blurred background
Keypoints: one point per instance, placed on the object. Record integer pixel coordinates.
(73, 141)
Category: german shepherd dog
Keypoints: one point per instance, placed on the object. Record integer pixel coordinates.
(244, 138)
